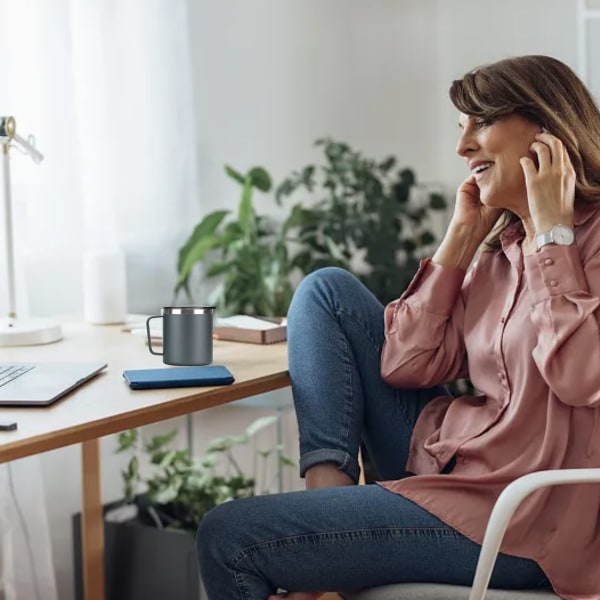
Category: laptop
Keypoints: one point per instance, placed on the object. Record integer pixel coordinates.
(41, 384)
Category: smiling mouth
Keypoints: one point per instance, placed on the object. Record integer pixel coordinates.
(480, 170)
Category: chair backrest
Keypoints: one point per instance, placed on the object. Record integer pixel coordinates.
(434, 591)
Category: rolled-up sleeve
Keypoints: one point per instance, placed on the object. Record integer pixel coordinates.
(565, 298)
(424, 343)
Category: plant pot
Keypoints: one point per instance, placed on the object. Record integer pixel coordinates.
(142, 562)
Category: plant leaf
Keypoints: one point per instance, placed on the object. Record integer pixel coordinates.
(167, 459)
(127, 440)
(219, 268)
(260, 178)
(334, 250)
(260, 424)
(195, 254)
(427, 238)
(206, 227)
(235, 175)
(203, 238)
(158, 442)
(437, 201)
(286, 460)
(221, 444)
(387, 164)
(167, 494)
(245, 209)
(407, 176)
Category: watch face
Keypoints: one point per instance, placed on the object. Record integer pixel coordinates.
(563, 235)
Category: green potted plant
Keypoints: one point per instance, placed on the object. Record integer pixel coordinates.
(248, 251)
(180, 489)
(355, 207)
(367, 216)
(149, 535)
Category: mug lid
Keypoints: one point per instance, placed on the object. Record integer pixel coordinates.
(187, 310)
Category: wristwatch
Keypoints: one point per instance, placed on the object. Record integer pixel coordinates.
(559, 234)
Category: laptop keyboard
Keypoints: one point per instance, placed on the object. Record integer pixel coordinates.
(10, 372)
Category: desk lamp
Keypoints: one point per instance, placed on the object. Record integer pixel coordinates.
(15, 331)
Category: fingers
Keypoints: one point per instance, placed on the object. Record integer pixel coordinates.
(470, 181)
(549, 186)
(567, 161)
(468, 188)
(529, 169)
(469, 185)
(542, 152)
(549, 150)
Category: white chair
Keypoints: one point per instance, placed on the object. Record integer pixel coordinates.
(505, 506)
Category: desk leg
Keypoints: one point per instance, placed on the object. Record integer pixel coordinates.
(92, 523)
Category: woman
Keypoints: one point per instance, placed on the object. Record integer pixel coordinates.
(522, 323)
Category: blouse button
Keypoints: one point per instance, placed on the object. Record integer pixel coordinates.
(548, 261)
(553, 283)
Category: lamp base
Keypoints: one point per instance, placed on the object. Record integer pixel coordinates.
(29, 332)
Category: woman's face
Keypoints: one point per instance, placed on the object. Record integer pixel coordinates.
(492, 150)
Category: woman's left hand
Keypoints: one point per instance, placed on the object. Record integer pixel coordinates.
(550, 187)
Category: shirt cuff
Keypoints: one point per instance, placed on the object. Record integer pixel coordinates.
(553, 271)
(434, 288)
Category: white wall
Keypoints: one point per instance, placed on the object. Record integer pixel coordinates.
(270, 77)
(274, 76)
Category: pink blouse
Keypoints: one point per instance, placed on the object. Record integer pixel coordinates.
(525, 331)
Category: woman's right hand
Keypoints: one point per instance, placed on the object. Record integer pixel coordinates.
(470, 224)
(471, 213)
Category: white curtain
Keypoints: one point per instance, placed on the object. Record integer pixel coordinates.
(106, 87)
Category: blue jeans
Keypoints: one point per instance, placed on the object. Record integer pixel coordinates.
(352, 537)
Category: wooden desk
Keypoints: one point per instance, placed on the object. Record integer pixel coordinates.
(105, 405)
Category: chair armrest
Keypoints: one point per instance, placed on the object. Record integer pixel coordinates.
(508, 501)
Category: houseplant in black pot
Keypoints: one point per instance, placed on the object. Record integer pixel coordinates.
(149, 535)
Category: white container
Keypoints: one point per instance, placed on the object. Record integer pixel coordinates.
(104, 287)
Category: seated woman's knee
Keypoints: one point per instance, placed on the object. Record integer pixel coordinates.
(214, 526)
(328, 275)
(326, 283)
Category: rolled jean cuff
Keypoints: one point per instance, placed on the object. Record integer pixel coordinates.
(343, 460)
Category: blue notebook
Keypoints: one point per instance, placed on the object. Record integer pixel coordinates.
(171, 377)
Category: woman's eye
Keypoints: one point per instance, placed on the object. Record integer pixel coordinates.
(482, 122)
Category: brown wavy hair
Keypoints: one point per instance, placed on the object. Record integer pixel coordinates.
(547, 92)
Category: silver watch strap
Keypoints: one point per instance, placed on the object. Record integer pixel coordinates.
(543, 239)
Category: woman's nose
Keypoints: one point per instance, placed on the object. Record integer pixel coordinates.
(466, 142)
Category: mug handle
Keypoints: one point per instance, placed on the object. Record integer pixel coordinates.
(148, 334)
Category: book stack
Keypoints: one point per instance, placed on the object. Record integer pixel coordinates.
(254, 330)
(237, 328)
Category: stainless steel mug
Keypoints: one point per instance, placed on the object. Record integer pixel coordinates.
(187, 335)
